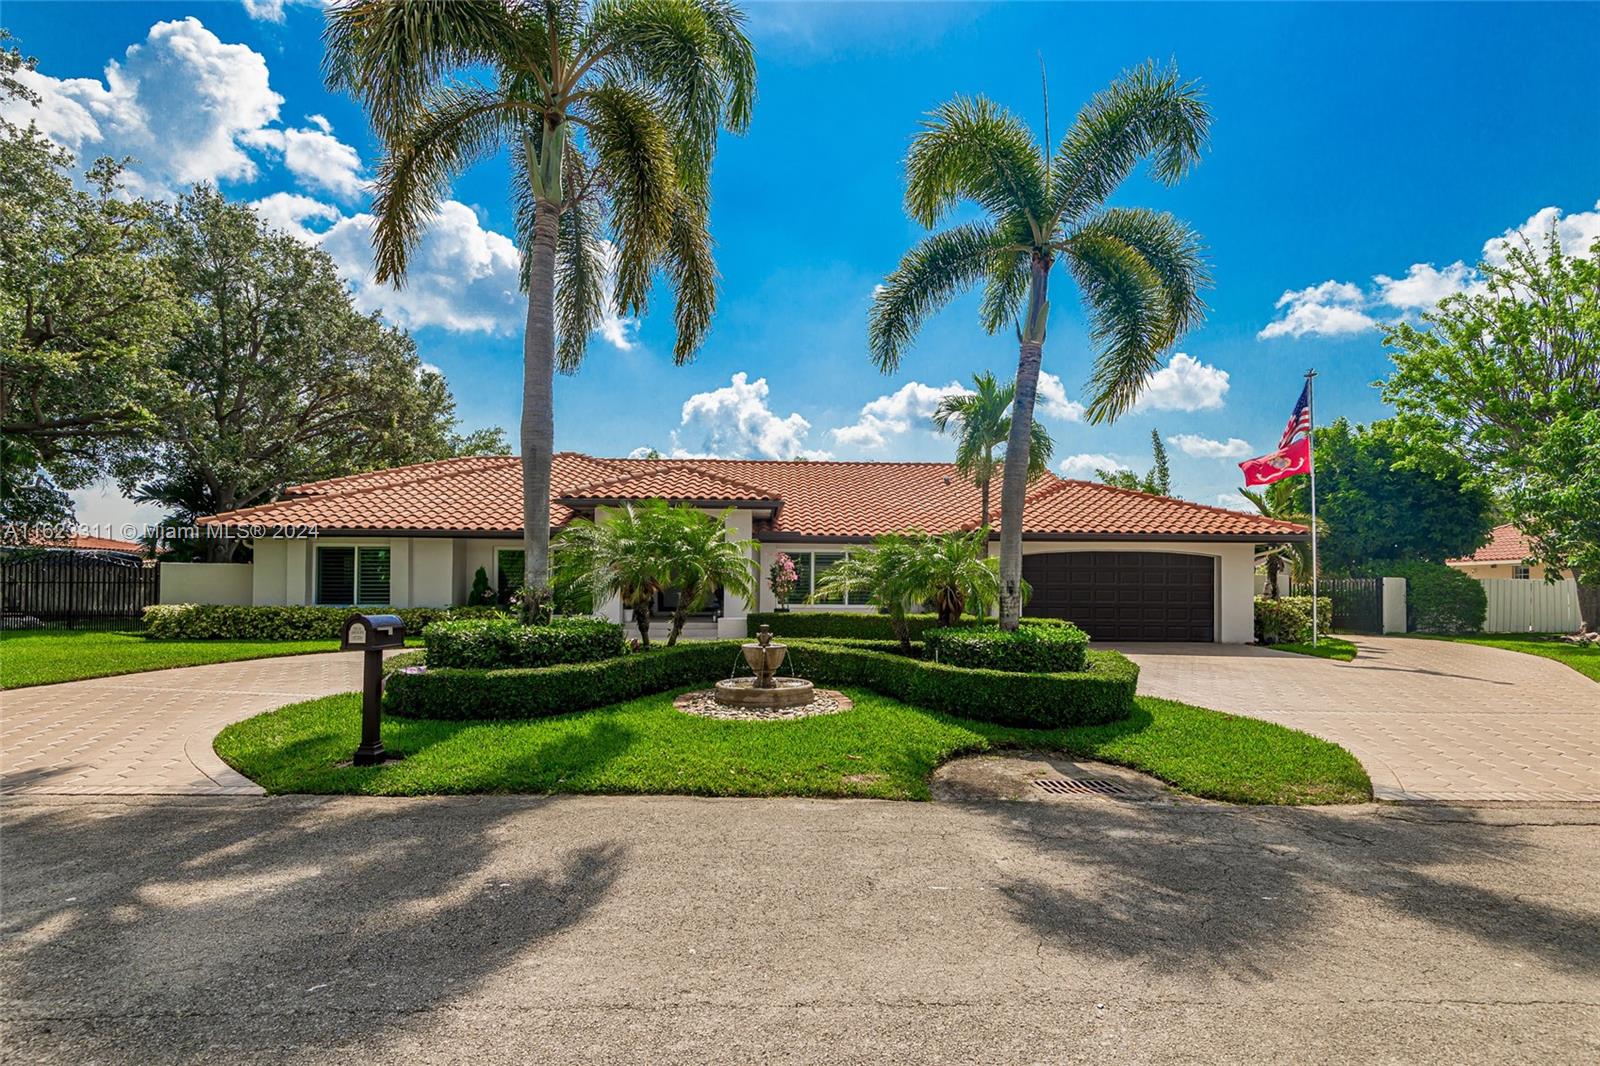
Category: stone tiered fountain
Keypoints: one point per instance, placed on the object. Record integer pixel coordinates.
(766, 689)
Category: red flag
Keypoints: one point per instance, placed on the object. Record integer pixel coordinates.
(1285, 462)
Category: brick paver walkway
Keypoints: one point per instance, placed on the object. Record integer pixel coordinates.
(151, 733)
(1430, 720)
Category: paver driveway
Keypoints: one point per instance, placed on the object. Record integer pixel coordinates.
(151, 732)
(1429, 719)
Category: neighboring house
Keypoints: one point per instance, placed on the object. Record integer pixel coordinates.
(1505, 556)
(78, 542)
(1125, 565)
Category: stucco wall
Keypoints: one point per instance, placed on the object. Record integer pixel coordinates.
(224, 583)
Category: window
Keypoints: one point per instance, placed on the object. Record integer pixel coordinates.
(809, 568)
(508, 566)
(1520, 573)
(352, 575)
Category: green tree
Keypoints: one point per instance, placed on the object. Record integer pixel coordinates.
(86, 307)
(629, 555)
(279, 379)
(983, 423)
(879, 572)
(1278, 501)
(901, 571)
(1157, 480)
(1374, 506)
(1139, 271)
(610, 113)
(703, 558)
(1508, 379)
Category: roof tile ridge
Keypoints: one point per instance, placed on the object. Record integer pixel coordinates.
(359, 490)
(297, 491)
(1102, 486)
(590, 490)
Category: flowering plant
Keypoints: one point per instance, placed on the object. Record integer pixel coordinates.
(782, 579)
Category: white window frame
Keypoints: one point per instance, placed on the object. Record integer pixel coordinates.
(1521, 573)
(802, 595)
(355, 578)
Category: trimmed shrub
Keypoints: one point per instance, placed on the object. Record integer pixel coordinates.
(1030, 648)
(1287, 620)
(831, 625)
(210, 621)
(1102, 692)
(493, 643)
(1439, 598)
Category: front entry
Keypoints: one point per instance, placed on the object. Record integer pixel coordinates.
(1126, 595)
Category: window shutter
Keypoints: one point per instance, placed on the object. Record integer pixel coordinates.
(802, 573)
(372, 577)
(336, 576)
(822, 561)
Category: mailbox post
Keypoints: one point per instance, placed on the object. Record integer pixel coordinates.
(370, 634)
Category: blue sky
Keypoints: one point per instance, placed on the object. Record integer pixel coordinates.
(1361, 158)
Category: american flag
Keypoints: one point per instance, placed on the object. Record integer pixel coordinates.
(1300, 421)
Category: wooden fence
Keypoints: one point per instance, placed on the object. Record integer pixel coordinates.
(69, 589)
(1527, 606)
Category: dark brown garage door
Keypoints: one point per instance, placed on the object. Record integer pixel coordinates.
(1125, 595)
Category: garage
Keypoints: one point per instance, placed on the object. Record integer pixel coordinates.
(1132, 595)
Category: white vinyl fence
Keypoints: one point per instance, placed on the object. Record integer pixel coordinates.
(1530, 606)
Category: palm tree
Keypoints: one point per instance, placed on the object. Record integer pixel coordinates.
(952, 572)
(703, 560)
(877, 571)
(984, 418)
(627, 556)
(1278, 502)
(1139, 271)
(610, 112)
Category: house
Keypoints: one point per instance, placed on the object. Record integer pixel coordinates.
(1125, 565)
(1506, 555)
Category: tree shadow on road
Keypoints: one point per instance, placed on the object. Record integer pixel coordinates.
(291, 907)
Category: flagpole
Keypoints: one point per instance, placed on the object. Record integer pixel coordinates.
(1311, 456)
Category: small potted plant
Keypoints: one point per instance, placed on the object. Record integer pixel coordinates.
(782, 579)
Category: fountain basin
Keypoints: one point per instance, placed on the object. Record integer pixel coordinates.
(779, 692)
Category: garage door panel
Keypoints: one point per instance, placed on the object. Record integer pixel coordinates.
(1125, 595)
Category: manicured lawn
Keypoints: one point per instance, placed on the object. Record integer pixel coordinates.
(1584, 659)
(45, 656)
(881, 748)
(1326, 648)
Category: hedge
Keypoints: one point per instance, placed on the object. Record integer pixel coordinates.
(1030, 648)
(1439, 598)
(850, 625)
(1287, 619)
(210, 621)
(1101, 693)
(491, 643)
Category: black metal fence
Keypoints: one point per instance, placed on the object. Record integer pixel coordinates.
(1357, 601)
(69, 589)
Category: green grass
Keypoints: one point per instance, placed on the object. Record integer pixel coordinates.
(880, 748)
(1326, 648)
(1585, 658)
(46, 656)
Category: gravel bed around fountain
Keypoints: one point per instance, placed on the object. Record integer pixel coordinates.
(705, 705)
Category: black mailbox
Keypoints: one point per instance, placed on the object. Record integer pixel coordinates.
(373, 632)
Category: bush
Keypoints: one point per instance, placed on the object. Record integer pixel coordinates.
(493, 643)
(1030, 648)
(1439, 598)
(209, 621)
(849, 625)
(1102, 692)
(1287, 620)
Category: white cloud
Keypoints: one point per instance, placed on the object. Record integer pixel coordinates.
(1206, 448)
(265, 10)
(1329, 309)
(290, 212)
(1084, 464)
(101, 510)
(1051, 400)
(1184, 384)
(620, 331)
(735, 422)
(1235, 502)
(180, 103)
(319, 159)
(462, 277)
(1341, 307)
(912, 404)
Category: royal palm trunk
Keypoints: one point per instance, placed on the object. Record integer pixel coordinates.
(1014, 475)
(538, 413)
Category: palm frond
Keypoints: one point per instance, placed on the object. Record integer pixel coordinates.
(452, 127)
(634, 160)
(1128, 319)
(971, 148)
(1147, 112)
(693, 271)
(390, 55)
(580, 292)
(1040, 449)
(940, 267)
(1174, 253)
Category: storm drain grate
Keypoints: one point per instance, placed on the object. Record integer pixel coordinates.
(1080, 786)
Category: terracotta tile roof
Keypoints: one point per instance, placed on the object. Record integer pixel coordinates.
(81, 542)
(1506, 545)
(813, 499)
